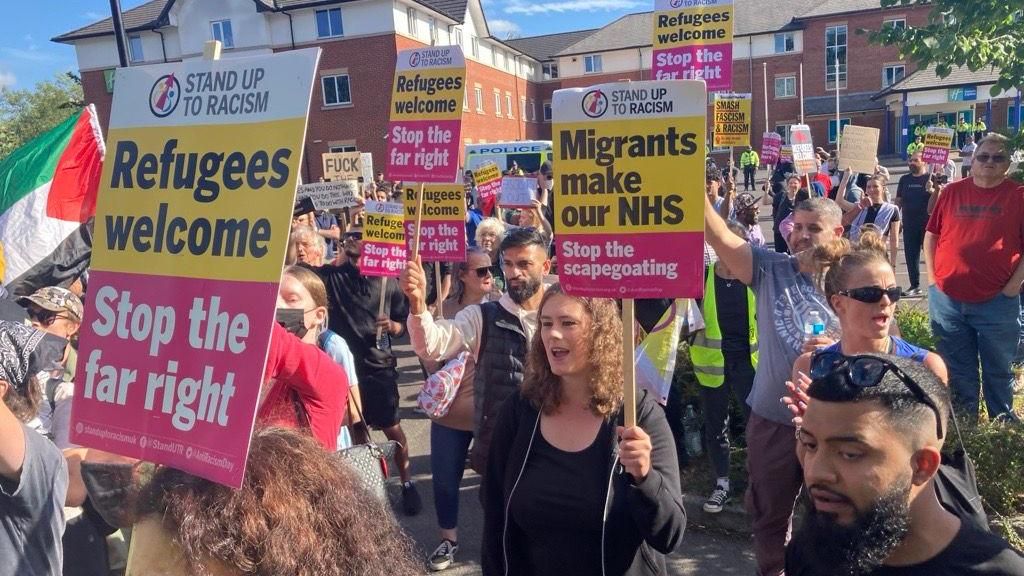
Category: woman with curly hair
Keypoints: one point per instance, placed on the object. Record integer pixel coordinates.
(568, 489)
(300, 512)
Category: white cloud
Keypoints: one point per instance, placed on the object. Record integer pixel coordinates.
(529, 9)
(94, 16)
(7, 80)
(31, 55)
(502, 28)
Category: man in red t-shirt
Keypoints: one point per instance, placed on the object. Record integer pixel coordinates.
(973, 249)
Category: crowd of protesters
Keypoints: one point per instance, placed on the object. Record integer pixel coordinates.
(799, 332)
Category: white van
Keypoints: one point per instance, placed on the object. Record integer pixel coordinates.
(527, 154)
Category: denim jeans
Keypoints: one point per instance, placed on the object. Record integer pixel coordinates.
(448, 449)
(966, 332)
(913, 240)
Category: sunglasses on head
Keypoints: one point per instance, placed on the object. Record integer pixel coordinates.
(484, 271)
(994, 158)
(872, 294)
(863, 371)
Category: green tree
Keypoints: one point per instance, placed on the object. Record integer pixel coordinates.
(24, 114)
(976, 34)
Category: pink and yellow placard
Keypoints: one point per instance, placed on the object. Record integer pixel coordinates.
(630, 189)
(693, 41)
(424, 133)
(384, 252)
(192, 223)
(443, 224)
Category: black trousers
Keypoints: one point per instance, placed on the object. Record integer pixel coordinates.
(913, 241)
(748, 177)
(739, 379)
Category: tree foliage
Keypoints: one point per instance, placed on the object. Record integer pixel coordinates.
(24, 114)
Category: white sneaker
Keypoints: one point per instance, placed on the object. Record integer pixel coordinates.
(717, 500)
(443, 556)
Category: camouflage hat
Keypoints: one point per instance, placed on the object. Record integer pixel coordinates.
(55, 299)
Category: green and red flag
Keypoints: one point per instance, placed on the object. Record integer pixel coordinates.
(47, 196)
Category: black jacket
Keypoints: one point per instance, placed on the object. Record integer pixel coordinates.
(642, 523)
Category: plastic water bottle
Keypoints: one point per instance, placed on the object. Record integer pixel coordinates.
(691, 429)
(814, 325)
(384, 341)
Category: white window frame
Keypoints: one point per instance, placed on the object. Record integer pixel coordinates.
(787, 38)
(522, 108)
(592, 64)
(547, 111)
(330, 30)
(474, 46)
(432, 29)
(494, 56)
(335, 77)
(549, 70)
(342, 148)
(885, 74)
(844, 63)
(497, 103)
(140, 56)
(785, 133)
(465, 100)
(479, 93)
(787, 81)
(410, 20)
(533, 110)
(508, 105)
(458, 37)
(894, 23)
(224, 39)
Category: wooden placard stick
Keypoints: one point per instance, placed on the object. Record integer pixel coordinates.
(628, 362)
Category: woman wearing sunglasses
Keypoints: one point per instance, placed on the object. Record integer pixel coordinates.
(450, 435)
(861, 288)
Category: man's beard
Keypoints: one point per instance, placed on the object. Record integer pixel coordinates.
(861, 547)
(524, 290)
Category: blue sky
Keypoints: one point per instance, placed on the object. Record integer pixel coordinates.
(27, 55)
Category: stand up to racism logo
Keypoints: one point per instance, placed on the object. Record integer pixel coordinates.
(164, 96)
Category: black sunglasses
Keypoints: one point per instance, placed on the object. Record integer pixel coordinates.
(483, 271)
(864, 371)
(995, 159)
(872, 294)
(354, 236)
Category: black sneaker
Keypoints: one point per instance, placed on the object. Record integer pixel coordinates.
(411, 501)
(443, 556)
(717, 500)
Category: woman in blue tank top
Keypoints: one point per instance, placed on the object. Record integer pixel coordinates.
(861, 288)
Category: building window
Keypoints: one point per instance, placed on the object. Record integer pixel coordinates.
(328, 23)
(135, 48)
(410, 20)
(432, 29)
(533, 110)
(547, 111)
(494, 56)
(835, 49)
(474, 47)
(497, 103)
(508, 105)
(522, 108)
(342, 148)
(509, 61)
(783, 130)
(479, 93)
(785, 87)
(108, 79)
(832, 132)
(221, 30)
(550, 70)
(893, 74)
(592, 64)
(465, 99)
(336, 90)
(785, 42)
(458, 37)
(896, 23)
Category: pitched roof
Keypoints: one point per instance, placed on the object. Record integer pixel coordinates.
(859, 102)
(545, 47)
(153, 14)
(926, 79)
(828, 7)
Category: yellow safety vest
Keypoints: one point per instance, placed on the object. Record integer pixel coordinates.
(706, 350)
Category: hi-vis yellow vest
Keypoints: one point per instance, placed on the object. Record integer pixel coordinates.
(706, 350)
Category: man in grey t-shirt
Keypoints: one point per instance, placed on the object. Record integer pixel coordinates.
(33, 472)
(786, 297)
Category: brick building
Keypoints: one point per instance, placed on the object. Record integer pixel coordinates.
(509, 83)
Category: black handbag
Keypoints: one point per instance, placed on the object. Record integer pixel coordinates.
(956, 484)
(370, 462)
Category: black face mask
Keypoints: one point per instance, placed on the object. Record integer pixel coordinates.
(292, 320)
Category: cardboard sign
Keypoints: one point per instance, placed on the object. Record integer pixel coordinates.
(859, 149)
(342, 165)
(488, 182)
(384, 252)
(786, 153)
(366, 165)
(630, 218)
(330, 195)
(518, 191)
(693, 41)
(937, 142)
(803, 149)
(443, 224)
(771, 147)
(192, 223)
(732, 120)
(425, 130)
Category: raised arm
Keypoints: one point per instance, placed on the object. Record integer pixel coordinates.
(731, 249)
(841, 200)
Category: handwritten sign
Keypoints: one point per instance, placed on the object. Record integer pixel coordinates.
(443, 224)
(518, 191)
(937, 142)
(366, 166)
(693, 41)
(771, 147)
(631, 218)
(330, 195)
(342, 165)
(424, 133)
(859, 149)
(192, 223)
(384, 252)
(732, 120)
